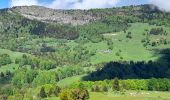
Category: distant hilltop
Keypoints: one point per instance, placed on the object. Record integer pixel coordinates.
(76, 17)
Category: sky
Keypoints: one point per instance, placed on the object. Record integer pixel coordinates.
(66, 4)
(83, 4)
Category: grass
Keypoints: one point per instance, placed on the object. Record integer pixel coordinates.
(70, 80)
(131, 95)
(13, 55)
(128, 49)
(131, 49)
(11, 67)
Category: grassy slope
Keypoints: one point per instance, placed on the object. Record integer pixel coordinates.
(70, 80)
(13, 55)
(132, 49)
(131, 95)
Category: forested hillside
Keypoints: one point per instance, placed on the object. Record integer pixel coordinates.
(57, 54)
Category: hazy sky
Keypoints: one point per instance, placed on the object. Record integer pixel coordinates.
(66, 4)
(83, 4)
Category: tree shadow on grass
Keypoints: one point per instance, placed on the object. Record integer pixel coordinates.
(134, 70)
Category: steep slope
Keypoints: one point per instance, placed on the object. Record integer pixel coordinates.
(77, 17)
(16, 25)
(74, 17)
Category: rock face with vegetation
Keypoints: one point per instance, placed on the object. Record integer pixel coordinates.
(74, 17)
(79, 54)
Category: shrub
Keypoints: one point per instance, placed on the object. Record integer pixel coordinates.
(5, 59)
(157, 31)
(65, 95)
(116, 84)
(104, 89)
(74, 94)
(57, 90)
(7, 90)
(79, 94)
(50, 92)
(95, 88)
(42, 93)
(3, 97)
(2, 74)
(129, 35)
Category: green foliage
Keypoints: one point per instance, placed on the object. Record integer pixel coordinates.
(157, 31)
(158, 85)
(68, 72)
(110, 44)
(56, 52)
(3, 97)
(42, 93)
(116, 84)
(129, 35)
(2, 75)
(105, 89)
(5, 59)
(24, 77)
(46, 48)
(23, 25)
(74, 94)
(45, 78)
(65, 95)
(57, 90)
(95, 88)
(79, 94)
(129, 84)
(135, 84)
(93, 31)
(35, 62)
(7, 90)
(47, 65)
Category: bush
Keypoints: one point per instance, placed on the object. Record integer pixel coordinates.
(5, 59)
(159, 84)
(42, 93)
(50, 92)
(45, 78)
(95, 88)
(116, 84)
(57, 90)
(157, 31)
(3, 97)
(65, 95)
(23, 77)
(2, 74)
(74, 94)
(79, 94)
(7, 90)
(129, 35)
(105, 89)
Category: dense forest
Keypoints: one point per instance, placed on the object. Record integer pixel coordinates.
(113, 50)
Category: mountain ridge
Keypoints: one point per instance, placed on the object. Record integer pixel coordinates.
(72, 16)
(77, 17)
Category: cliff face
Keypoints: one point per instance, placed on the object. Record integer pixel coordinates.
(75, 17)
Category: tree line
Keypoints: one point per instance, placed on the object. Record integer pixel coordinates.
(131, 70)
